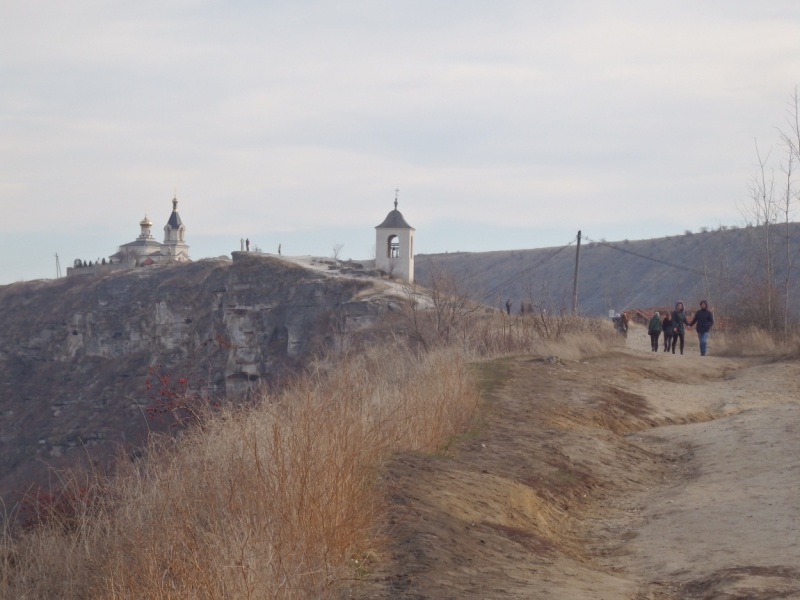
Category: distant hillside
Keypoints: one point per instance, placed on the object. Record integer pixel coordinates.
(611, 279)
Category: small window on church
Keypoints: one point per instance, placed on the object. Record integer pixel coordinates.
(394, 247)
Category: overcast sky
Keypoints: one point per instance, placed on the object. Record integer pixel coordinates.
(503, 124)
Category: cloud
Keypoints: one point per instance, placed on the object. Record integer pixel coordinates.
(302, 116)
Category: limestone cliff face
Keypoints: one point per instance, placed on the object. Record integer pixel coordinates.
(75, 352)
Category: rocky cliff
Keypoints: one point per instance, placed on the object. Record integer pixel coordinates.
(76, 353)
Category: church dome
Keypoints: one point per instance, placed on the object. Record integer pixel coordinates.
(394, 220)
(146, 222)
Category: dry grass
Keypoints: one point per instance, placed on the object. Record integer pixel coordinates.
(278, 499)
(567, 336)
(274, 501)
(754, 341)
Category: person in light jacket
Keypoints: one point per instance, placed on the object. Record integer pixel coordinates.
(704, 319)
(654, 329)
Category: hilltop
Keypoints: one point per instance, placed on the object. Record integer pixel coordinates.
(80, 356)
(610, 278)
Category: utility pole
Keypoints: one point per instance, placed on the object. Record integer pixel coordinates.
(575, 282)
(58, 267)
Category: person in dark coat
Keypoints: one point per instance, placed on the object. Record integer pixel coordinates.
(508, 306)
(704, 319)
(654, 329)
(666, 327)
(678, 322)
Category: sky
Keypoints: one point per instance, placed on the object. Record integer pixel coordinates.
(503, 124)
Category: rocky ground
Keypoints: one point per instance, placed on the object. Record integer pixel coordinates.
(631, 475)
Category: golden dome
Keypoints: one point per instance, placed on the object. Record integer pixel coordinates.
(146, 222)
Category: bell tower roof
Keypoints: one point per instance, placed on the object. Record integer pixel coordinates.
(394, 220)
(175, 219)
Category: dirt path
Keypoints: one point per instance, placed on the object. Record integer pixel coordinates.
(632, 475)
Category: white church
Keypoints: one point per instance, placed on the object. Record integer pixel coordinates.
(146, 249)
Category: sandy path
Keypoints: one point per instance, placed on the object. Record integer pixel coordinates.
(633, 475)
(730, 525)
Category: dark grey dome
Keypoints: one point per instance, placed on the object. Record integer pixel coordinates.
(394, 220)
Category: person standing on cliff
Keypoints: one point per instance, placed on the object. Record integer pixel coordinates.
(247, 243)
(704, 319)
(241, 244)
(279, 249)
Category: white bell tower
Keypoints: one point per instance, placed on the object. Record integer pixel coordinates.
(174, 245)
(394, 246)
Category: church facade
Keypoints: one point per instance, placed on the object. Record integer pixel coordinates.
(145, 249)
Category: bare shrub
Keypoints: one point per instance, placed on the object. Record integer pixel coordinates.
(568, 335)
(448, 313)
(273, 501)
(442, 312)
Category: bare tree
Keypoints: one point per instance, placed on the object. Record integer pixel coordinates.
(127, 256)
(791, 141)
(441, 313)
(770, 233)
(761, 216)
(336, 250)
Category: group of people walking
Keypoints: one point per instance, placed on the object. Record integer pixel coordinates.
(674, 324)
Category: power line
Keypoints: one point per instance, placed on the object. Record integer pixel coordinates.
(527, 270)
(663, 262)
